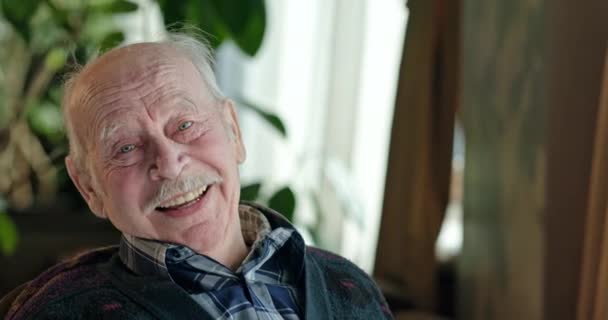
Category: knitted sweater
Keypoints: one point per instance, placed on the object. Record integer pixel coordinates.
(96, 285)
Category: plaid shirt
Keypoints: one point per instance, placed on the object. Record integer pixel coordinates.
(265, 286)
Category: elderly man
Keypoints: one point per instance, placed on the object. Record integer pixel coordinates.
(155, 148)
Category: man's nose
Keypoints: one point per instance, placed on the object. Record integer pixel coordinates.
(169, 160)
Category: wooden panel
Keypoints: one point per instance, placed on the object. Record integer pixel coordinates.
(594, 274)
(419, 165)
(501, 265)
(576, 43)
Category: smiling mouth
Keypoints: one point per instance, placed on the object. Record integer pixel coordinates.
(184, 200)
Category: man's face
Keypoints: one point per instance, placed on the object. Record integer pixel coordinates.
(162, 153)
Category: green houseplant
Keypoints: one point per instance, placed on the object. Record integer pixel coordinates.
(41, 40)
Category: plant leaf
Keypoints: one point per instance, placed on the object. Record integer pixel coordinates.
(116, 6)
(284, 202)
(251, 39)
(318, 210)
(19, 13)
(251, 192)
(45, 119)
(201, 14)
(274, 121)
(174, 12)
(234, 13)
(315, 235)
(60, 15)
(270, 118)
(245, 20)
(55, 59)
(111, 40)
(8, 235)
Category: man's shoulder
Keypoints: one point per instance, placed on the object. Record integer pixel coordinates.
(71, 280)
(328, 260)
(346, 282)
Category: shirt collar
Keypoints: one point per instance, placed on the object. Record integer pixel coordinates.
(254, 225)
(167, 260)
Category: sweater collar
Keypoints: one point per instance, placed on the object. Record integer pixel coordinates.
(265, 233)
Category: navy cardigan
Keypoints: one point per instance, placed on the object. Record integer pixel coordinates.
(97, 285)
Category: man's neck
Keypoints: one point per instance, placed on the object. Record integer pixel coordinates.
(231, 252)
(234, 254)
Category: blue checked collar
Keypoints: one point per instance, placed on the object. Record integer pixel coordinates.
(198, 273)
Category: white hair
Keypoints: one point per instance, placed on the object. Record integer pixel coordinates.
(192, 45)
(198, 50)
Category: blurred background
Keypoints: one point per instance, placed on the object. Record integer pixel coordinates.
(455, 150)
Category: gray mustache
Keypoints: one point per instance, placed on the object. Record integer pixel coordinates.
(171, 188)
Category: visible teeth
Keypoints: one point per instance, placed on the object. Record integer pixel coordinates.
(184, 198)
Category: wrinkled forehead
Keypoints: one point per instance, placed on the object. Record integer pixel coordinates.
(140, 74)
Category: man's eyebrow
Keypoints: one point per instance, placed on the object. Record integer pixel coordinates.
(186, 104)
(108, 131)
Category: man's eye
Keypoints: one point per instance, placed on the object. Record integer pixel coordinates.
(127, 148)
(185, 125)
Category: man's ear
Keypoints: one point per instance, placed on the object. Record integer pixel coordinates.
(232, 121)
(84, 184)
